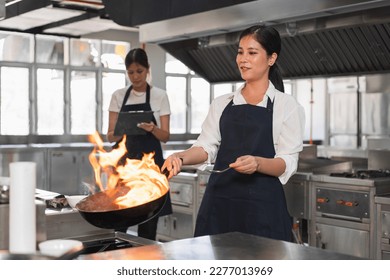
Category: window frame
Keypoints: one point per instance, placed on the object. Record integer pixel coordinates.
(33, 137)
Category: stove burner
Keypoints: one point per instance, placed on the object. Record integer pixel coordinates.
(97, 243)
(104, 245)
(363, 174)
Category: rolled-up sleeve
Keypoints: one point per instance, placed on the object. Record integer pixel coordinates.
(288, 136)
(210, 138)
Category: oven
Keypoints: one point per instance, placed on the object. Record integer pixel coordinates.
(344, 211)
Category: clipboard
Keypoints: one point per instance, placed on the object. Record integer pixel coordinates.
(127, 123)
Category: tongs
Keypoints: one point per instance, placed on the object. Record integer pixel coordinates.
(217, 171)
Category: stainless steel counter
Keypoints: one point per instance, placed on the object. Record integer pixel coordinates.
(229, 246)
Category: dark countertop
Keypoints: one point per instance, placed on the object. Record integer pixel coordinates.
(228, 246)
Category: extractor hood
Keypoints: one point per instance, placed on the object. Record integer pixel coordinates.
(319, 37)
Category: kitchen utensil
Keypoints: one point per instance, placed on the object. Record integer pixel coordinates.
(60, 247)
(120, 218)
(217, 171)
(74, 199)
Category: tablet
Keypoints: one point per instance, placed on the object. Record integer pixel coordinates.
(127, 122)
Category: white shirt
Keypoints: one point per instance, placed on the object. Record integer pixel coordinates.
(288, 127)
(159, 101)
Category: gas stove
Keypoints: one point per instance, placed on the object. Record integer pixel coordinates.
(343, 211)
(367, 178)
(363, 174)
(111, 241)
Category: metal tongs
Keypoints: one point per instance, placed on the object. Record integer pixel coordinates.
(218, 171)
(208, 168)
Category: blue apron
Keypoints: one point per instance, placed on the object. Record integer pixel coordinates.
(248, 203)
(138, 145)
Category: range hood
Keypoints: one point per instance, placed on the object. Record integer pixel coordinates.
(319, 37)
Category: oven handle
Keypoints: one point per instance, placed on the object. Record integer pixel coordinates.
(341, 217)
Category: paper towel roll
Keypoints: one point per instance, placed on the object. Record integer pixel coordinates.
(22, 217)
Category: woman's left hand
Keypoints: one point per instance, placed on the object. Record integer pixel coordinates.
(245, 164)
(149, 127)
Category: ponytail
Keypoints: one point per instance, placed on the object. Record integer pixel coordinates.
(276, 77)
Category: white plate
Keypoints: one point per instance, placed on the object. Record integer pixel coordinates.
(74, 199)
(58, 247)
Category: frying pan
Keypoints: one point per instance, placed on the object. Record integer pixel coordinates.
(120, 218)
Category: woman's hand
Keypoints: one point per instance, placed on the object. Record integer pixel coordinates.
(246, 164)
(173, 164)
(250, 164)
(149, 127)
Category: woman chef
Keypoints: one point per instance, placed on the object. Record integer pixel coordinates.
(140, 96)
(257, 131)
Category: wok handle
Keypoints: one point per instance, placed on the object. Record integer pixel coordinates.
(165, 172)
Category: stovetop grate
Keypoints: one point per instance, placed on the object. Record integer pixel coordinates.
(363, 174)
(104, 245)
(96, 243)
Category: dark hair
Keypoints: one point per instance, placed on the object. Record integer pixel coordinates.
(269, 38)
(137, 56)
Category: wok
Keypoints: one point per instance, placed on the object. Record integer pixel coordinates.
(120, 218)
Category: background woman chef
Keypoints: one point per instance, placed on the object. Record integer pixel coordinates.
(140, 96)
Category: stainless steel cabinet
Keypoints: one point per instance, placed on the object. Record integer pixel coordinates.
(175, 226)
(70, 170)
(180, 224)
(61, 169)
(343, 240)
(37, 155)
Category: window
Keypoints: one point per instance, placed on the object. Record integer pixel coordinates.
(50, 49)
(110, 83)
(174, 66)
(221, 89)
(189, 97)
(114, 54)
(64, 89)
(176, 90)
(200, 103)
(83, 102)
(16, 47)
(84, 52)
(50, 101)
(14, 101)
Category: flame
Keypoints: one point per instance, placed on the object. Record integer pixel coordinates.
(130, 182)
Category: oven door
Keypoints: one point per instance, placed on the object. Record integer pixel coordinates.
(343, 240)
